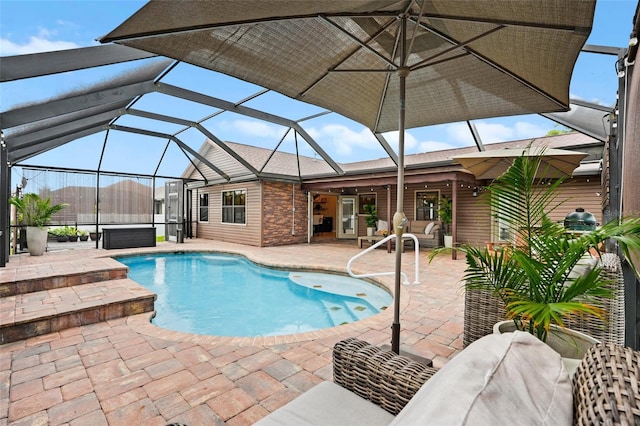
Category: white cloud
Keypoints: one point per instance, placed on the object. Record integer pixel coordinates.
(495, 132)
(596, 101)
(410, 142)
(459, 132)
(524, 130)
(253, 128)
(343, 139)
(36, 44)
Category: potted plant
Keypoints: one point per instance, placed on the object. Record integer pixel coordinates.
(72, 233)
(372, 219)
(535, 277)
(60, 233)
(445, 214)
(35, 213)
(95, 236)
(83, 235)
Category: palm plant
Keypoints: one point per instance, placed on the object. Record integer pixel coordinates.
(445, 213)
(372, 215)
(35, 211)
(533, 277)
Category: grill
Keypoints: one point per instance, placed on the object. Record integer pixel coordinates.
(580, 220)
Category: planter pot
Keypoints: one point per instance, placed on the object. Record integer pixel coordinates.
(570, 344)
(371, 231)
(36, 240)
(448, 241)
(83, 237)
(73, 238)
(95, 235)
(62, 238)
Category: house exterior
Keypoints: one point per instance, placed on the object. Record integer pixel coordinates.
(299, 199)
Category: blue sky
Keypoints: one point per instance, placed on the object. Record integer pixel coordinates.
(36, 26)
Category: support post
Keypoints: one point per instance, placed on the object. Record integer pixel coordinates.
(399, 219)
(5, 192)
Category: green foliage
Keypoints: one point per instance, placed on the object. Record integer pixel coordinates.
(62, 231)
(556, 131)
(35, 211)
(58, 232)
(445, 212)
(532, 277)
(372, 215)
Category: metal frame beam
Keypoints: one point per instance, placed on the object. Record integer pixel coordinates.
(173, 138)
(248, 112)
(46, 63)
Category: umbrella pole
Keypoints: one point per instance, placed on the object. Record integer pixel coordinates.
(399, 218)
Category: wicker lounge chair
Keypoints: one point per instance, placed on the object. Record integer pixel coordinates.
(375, 385)
(482, 310)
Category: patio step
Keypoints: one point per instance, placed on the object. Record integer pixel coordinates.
(40, 281)
(35, 313)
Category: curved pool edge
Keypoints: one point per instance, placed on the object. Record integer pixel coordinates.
(142, 324)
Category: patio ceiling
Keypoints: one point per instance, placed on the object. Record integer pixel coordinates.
(38, 127)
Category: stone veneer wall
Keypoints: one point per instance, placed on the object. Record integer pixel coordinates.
(280, 224)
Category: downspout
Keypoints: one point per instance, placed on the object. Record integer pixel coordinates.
(309, 217)
(293, 209)
(454, 218)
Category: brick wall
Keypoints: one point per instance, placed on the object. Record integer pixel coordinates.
(280, 224)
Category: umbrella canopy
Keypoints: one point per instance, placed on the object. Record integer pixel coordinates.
(554, 163)
(388, 64)
(466, 59)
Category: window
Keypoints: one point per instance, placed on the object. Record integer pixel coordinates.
(234, 206)
(365, 199)
(157, 206)
(427, 205)
(203, 207)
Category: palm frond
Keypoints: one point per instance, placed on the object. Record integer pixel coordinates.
(543, 278)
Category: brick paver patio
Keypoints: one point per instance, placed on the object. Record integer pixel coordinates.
(127, 371)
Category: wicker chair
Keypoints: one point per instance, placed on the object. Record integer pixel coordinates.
(482, 310)
(378, 375)
(606, 385)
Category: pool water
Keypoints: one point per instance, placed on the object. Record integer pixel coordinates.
(227, 295)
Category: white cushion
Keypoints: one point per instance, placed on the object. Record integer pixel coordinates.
(328, 404)
(500, 379)
(429, 227)
(584, 266)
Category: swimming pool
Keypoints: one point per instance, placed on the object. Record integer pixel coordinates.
(227, 295)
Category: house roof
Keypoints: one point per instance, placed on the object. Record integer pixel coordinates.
(285, 166)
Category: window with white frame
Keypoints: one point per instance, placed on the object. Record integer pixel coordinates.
(203, 208)
(234, 206)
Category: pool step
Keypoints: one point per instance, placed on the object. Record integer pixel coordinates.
(47, 311)
(358, 310)
(338, 313)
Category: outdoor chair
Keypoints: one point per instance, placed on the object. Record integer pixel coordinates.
(373, 386)
(482, 310)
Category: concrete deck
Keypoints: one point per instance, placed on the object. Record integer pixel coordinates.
(127, 371)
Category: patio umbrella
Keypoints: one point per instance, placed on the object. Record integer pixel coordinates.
(554, 162)
(388, 64)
